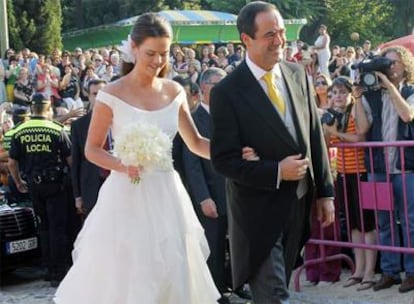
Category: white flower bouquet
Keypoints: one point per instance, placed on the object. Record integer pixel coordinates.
(144, 144)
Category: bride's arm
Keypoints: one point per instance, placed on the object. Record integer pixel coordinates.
(198, 144)
(98, 129)
(195, 142)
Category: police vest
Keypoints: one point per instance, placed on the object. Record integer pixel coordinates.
(39, 144)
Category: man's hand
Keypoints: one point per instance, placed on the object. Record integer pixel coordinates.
(249, 154)
(22, 186)
(79, 205)
(384, 81)
(293, 167)
(208, 206)
(326, 211)
(331, 130)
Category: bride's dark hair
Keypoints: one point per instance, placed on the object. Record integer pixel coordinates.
(148, 25)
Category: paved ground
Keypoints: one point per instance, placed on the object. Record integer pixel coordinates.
(26, 287)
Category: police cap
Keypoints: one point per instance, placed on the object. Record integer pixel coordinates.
(21, 112)
(40, 99)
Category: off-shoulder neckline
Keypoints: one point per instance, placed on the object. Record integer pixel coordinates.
(140, 109)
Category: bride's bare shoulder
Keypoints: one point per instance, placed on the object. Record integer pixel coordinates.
(172, 88)
(114, 87)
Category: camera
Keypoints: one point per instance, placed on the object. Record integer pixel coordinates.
(330, 116)
(367, 69)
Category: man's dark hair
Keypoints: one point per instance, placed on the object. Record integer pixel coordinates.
(247, 16)
(184, 82)
(181, 80)
(95, 82)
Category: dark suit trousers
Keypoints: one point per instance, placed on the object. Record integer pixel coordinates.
(270, 283)
(215, 231)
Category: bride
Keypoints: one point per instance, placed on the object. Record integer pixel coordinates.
(142, 243)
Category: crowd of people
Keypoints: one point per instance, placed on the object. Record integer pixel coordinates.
(210, 81)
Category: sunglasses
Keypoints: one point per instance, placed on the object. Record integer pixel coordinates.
(320, 83)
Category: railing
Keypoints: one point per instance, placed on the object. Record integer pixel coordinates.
(386, 194)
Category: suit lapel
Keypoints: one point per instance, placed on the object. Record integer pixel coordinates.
(296, 97)
(202, 119)
(251, 91)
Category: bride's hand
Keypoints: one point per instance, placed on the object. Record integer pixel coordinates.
(134, 173)
(249, 154)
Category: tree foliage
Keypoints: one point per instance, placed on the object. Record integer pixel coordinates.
(15, 40)
(296, 9)
(48, 34)
(403, 21)
(370, 19)
(37, 23)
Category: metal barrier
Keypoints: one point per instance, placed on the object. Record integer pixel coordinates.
(386, 194)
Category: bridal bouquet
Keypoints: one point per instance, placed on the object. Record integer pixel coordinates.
(144, 144)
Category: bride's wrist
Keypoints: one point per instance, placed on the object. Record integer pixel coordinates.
(120, 166)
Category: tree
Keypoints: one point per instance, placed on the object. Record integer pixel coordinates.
(309, 9)
(371, 19)
(48, 32)
(14, 30)
(403, 19)
(72, 15)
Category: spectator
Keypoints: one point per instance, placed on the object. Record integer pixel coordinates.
(48, 83)
(207, 188)
(23, 89)
(289, 54)
(366, 47)
(324, 273)
(342, 68)
(351, 171)
(87, 178)
(70, 88)
(3, 92)
(221, 59)
(12, 73)
(179, 65)
(322, 48)
(387, 115)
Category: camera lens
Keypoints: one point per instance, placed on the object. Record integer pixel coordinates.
(369, 79)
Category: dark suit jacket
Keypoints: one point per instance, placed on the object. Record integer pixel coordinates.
(243, 115)
(202, 180)
(177, 156)
(86, 178)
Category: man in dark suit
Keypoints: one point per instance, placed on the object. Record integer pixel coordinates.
(267, 104)
(87, 178)
(206, 187)
(192, 91)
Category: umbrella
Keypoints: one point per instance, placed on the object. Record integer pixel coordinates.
(406, 41)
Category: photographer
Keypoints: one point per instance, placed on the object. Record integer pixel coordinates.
(387, 115)
(342, 127)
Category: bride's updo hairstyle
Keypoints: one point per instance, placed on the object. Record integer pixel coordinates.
(148, 25)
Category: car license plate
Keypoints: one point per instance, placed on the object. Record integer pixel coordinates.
(21, 245)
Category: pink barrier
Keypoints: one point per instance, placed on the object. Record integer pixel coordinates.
(373, 195)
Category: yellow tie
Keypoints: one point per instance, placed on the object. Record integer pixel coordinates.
(273, 93)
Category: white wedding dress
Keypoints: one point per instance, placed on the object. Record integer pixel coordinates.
(141, 243)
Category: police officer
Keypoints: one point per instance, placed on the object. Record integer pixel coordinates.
(40, 149)
(20, 115)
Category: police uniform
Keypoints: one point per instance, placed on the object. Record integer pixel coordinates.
(20, 114)
(40, 147)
